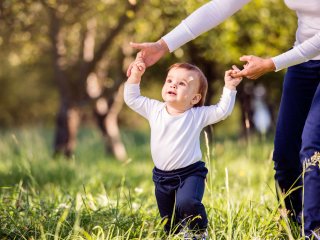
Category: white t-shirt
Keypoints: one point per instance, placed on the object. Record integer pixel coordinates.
(307, 44)
(175, 140)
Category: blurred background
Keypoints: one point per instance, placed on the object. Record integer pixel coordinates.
(63, 64)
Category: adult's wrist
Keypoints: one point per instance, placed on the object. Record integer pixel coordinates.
(163, 45)
(270, 66)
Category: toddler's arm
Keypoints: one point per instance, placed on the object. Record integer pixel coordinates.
(132, 97)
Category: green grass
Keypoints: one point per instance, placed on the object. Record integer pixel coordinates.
(93, 196)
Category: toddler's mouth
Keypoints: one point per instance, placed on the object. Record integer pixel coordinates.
(171, 93)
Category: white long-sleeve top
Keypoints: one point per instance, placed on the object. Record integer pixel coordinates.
(307, 43)
(175, 140)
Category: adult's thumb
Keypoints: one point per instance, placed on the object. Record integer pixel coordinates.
(137, 45)
(245, 58)
(240, 74)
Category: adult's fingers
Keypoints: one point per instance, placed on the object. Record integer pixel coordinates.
(139, 55)
(240, 74)
(138, 45)
(246, 58)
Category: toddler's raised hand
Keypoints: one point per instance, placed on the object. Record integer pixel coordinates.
(138, 67)
(231, 82)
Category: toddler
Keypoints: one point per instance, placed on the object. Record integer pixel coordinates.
(176, 123)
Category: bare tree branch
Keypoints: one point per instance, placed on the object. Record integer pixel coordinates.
(106, 44)
(60, 75)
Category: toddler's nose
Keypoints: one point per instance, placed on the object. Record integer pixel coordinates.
(173, 85)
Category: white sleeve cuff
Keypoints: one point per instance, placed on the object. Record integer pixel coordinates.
(178, 37)
(287, 59)
(299, 54)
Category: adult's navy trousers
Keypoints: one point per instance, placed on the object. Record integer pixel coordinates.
(297, 140)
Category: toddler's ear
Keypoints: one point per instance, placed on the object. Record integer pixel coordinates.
(196, 99)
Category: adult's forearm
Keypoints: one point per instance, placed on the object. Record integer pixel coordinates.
(201, 20)
(299, 54)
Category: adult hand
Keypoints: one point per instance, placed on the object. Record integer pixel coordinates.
(255, 67)
(151, 52)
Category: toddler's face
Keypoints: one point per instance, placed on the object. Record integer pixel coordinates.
(181, 87)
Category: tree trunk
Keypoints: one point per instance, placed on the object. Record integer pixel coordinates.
(67, 121)
(245, 93)
(67, 124)
(106, 114)
(112, 127)
(72, 78)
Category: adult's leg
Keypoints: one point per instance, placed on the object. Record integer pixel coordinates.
(298, 90)
(311, 180)
(189, 205)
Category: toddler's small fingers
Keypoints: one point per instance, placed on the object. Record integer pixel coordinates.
(139, 55)
(228, 72)
(234, 67)
(141, 65)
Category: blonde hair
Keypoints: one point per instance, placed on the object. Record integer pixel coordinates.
(203, 82)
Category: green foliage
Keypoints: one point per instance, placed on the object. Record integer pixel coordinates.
(260, 28)
(97, 197)
(28, 93)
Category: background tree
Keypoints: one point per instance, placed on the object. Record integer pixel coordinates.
(62, 61)
(26, 91)
(72, 31)
(75, 63)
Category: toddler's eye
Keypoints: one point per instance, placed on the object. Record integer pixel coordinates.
(182, 84)
(169, 81)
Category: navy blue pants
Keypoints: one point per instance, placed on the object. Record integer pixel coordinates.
(179, 194)
(297, 139)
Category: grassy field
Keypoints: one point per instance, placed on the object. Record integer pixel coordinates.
(93, 196)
